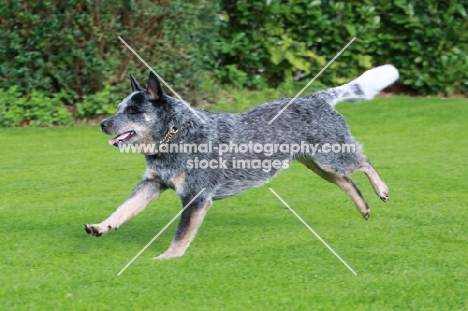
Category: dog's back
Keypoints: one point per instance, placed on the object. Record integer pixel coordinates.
(310, 121)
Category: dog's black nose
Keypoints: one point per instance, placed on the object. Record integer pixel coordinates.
(103, 124)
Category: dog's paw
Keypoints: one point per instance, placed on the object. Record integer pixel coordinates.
(383, 192)
(384, 196)
(170, 253)
(95, 230)
(366, 214)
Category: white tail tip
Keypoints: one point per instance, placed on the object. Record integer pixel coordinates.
(374, 80)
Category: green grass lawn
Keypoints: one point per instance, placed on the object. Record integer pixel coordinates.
(251, 253)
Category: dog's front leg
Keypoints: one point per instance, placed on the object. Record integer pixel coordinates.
(191, 219)
(146, 191)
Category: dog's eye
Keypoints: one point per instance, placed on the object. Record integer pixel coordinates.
(131, 110)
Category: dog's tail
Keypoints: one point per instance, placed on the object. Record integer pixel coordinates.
(366, 86)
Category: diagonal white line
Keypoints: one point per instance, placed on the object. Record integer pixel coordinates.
(315, 233)
(160, 232)
(310, 82)
(165, 83)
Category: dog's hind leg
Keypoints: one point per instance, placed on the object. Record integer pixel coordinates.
(146, 191)
(345, 183)
(191, 219)
(379, 186)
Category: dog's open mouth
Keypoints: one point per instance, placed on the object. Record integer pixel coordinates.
(121, 138)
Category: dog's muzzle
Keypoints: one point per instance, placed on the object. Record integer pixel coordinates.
(107, 127)
(105, 124)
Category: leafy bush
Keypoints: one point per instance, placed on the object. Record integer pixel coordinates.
(36, 110)
(102, 103)
(46, 110)
(62, 56)
(73, 47)
(426, 40)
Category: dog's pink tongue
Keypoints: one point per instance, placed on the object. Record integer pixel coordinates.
(118, 138)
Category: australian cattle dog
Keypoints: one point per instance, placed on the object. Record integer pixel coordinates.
(190, 150)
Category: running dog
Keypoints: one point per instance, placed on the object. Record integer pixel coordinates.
(148, 117)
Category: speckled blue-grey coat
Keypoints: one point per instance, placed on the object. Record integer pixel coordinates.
(147, 115)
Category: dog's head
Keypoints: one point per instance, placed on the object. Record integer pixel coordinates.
(143, 117)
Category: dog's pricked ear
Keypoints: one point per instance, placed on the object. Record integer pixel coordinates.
(154, 88)
(135, 85)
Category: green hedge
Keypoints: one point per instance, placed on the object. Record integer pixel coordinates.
(63, 59)
(47, 110)
(272, 40)
(72, 47)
